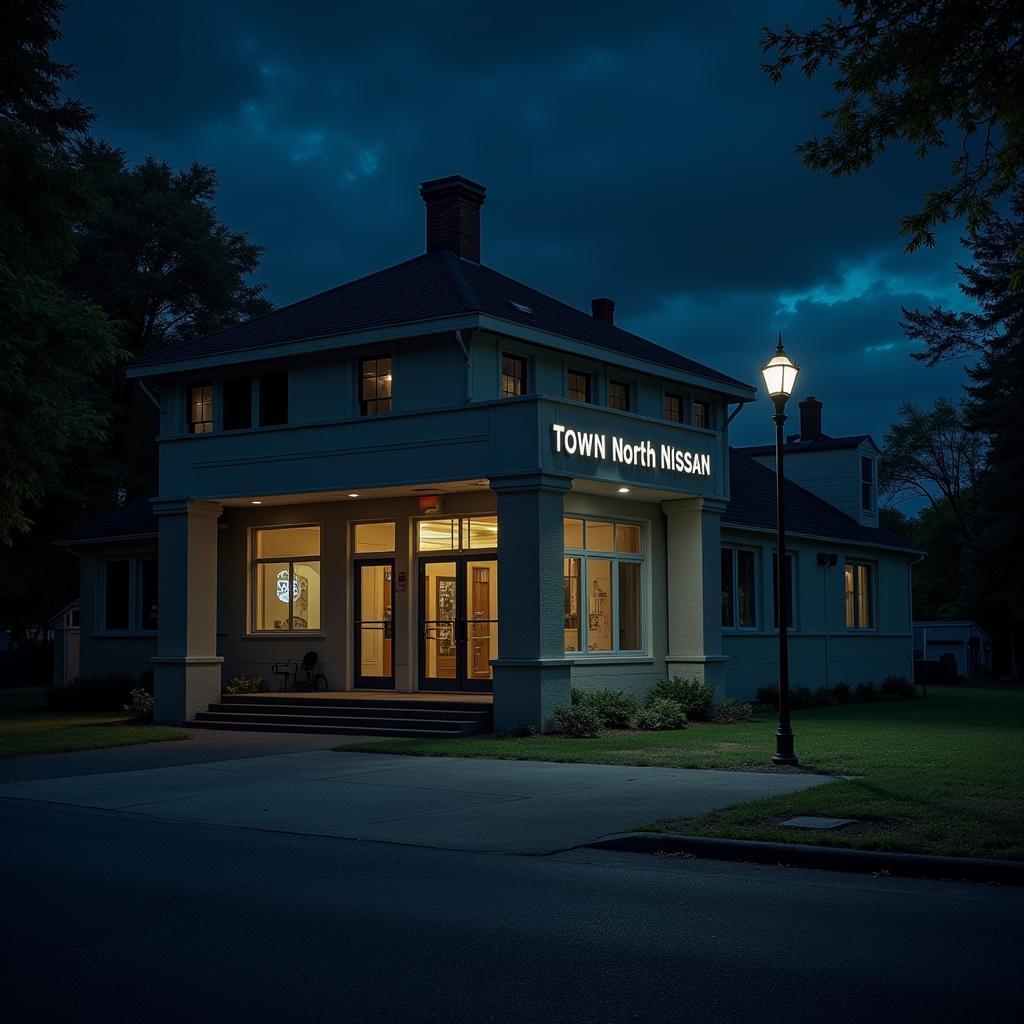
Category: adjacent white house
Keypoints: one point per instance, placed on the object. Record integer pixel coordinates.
(441, 481)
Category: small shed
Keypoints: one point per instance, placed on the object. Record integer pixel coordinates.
(962, 640)
(65, 643)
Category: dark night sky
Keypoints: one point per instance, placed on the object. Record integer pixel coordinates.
(637, 152)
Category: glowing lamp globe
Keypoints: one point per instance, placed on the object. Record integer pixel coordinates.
(780, 375)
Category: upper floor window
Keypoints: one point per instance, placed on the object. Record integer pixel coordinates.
(286, 578)
(236, 395)
(374, 385)
(867, 484)
(739, 589)
(513, 376)
(200, 410)
(789, 589)
(858, 593)
(673, 407)
(273, 399)
(701, 413)
(618, 395)
(578, 386)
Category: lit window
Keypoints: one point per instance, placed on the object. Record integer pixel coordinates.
(286, 579)
(472, 533)
(701, 414)
(513, 376)
(578, 386)
(375, 385)
(618, 395)
(603, 593)
(789, 589)
(858, 585)
(374, 538)
(673, 407)
(739, 588)
(201, 409)
(273, 399)
(867, 484)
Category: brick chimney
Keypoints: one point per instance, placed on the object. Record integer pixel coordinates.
(453, 215)
(810, 419)
(603, 309)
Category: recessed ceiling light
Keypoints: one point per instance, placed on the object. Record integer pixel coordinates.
(255, 502)
(623, 490)
(353, 495)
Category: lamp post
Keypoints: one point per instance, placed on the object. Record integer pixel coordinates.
(779, 377)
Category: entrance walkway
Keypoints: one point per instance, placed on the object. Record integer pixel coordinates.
(448, 803)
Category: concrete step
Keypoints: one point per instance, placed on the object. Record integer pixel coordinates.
(259, 724)
(378, 709)
(367, 722)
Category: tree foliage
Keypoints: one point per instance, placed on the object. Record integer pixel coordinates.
(939, 75)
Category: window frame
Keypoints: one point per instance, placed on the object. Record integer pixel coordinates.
(190, 405)
(677, 397)
(250, 380)
(871, 484)
(618, 382)
(872, 568)
(524, 362)
(736, 626)
(136, 615)
(462, 529)
(258, 410)
(588, 376)
(360, 401)
(614, 558)
(706, 406)
(254, 562)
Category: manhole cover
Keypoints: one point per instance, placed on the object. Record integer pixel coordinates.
(811, 821)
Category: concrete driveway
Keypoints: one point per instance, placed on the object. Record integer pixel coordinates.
(522, 807)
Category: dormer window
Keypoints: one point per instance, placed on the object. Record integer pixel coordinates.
(867, 484)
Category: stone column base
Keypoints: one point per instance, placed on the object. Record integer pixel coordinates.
(708, 668)
(183, 686)
(529, 692)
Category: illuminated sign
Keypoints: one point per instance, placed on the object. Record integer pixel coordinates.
(591, 445)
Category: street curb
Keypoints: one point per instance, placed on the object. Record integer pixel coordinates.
(829, 858)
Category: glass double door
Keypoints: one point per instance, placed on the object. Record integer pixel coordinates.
(374, 624)
(458, 623)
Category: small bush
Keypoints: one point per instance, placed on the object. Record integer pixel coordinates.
(898, 686)
(800, 698)
(730, 711)
(767, 696)
(824, 697)
(519, 731)
(841, 692)
(865, 692)
(661, 713)
(108, 692)
(246, 684)
(140, 705)
(694, 697)
(578, 721)
(614, 707)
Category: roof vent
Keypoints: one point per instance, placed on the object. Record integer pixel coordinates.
(603, 309)
(520, 307)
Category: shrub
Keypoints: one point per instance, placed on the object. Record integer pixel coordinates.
(899, 686)
(730, 711)
(768, 696)
(801, 697)
(109, 692)
(246, 684)
(578, 721)
(140, 705)
(614, 707)
(694, 697)
(865, 692)
(841, 692)
(661, 713)
(823, 697)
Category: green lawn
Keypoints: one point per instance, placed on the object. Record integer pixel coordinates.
(27, 727)
(938, 775)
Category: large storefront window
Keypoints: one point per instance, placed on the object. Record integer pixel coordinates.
(286, 579)
(603, 574)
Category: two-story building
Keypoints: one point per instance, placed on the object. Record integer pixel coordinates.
(444, 481)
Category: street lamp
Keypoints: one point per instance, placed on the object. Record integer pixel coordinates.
(780, 377)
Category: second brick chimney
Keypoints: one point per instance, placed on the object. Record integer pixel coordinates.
(453, 215)
(603, 309)
(810, 419)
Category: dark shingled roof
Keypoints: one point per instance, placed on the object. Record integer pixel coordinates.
(429, 287)
(136, 519)
(821, 443)
(752, 503)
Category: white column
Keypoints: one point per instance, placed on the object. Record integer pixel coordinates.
(694, 564)
(186, 670)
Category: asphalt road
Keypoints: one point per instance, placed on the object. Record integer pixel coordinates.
(108, 916)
